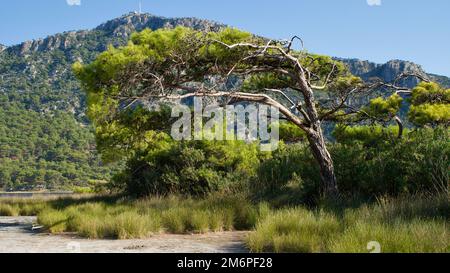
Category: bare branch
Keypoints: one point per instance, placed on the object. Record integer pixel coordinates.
(393, 85)
(292, 41)
(250, 97)
(282, 93)
(327, 80)
(339, 106)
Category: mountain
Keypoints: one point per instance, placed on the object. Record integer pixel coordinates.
(45, 139)
(46, 63)
(389, 71)
(115, 32)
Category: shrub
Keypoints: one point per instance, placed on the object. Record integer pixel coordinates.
(198, 222)
(190, 168)
(365, 167)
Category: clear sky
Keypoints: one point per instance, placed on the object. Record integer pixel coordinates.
(377, 30)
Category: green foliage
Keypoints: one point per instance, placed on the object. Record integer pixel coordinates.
(429, 93)
(45, 150)
(367, 135)
(191, 168)
(366, 167)
(430, 105)
(133, 131)
(290, 174)
(416, 164)
(384, 109)
(8, 210)
(408, 224)
(323, 66)
(215, 51)
(433, 114)
(345, 83)
(290, 133)
(45, 140)
(294, 230)
(19, 207)
(262, 81)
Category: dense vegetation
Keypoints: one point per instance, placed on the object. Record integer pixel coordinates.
(370, 162)
(45, 150)
(46, 141)
(38, 78)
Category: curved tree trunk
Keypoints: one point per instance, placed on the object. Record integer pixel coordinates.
(323, 158)
(317, 142)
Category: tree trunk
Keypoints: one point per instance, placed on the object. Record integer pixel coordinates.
(317, 142)
(323, 157)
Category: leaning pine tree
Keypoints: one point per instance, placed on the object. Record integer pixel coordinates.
(172, 64)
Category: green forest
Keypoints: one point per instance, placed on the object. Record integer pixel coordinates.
(59, 149)
(47, 143)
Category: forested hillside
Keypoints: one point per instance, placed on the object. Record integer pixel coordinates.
(45, 139)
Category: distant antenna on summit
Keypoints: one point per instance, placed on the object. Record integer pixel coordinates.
(140, 7)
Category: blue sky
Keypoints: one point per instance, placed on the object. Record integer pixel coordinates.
(415, 30)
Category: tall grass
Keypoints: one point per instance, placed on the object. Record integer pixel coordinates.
(409, 224)
(398, 225)
(21, 207)
(8, 210)
(128, 219)
(294, 230)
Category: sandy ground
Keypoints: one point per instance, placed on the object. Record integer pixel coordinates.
(16, 237)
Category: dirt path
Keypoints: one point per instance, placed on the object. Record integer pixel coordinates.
(16, 237)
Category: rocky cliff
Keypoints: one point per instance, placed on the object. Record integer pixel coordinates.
(115, 32)
(389, 71)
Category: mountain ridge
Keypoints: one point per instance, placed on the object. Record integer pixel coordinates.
(120, 28)
(117, 31)
(390, 70)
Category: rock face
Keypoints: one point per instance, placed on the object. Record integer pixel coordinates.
(122, 27)
(389, 71)
(115, 31)
(46, 63)
(63, 41)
